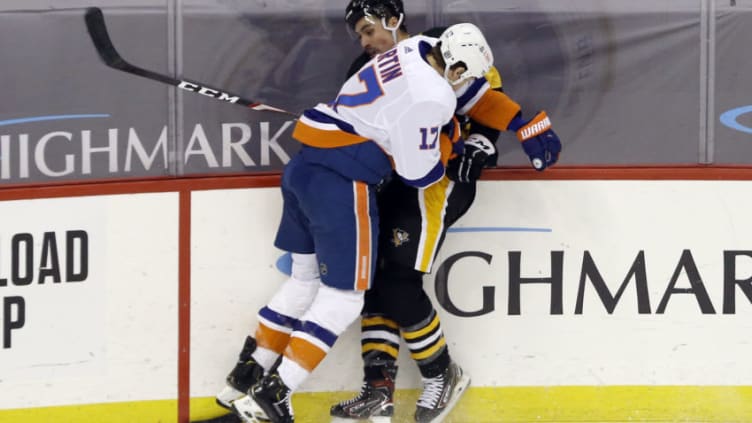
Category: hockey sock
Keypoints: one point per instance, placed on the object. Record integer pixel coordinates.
(427, 345)
(330, 314)
(379, 339)
(437, 366)
(278, 319)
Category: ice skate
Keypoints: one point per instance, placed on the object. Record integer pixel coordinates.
(272, 396)
(245, 374)
(440, 394)
(374, 403)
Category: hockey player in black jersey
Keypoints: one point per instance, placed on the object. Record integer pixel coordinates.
(413, 224)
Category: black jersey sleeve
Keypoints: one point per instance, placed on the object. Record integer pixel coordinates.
(434, 32)
(357, 64)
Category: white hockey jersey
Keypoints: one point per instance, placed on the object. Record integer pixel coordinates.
(397, 101)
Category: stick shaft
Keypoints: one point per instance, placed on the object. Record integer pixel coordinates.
(97, 28)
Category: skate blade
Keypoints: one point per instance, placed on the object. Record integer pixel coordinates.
(228, 394)
(248, 411)
(457, 393)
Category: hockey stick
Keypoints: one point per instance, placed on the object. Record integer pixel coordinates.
(101, 38)
(225, 418)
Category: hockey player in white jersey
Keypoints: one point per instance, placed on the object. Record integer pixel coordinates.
(397, 102)
(396, 113)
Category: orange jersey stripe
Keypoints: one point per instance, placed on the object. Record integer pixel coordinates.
(271, 339)
(363, 222)
(304, 353)
(494, 109)
(323, 138)
(446, 145)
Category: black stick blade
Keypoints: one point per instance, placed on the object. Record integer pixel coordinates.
(226, 418)
(101, 39)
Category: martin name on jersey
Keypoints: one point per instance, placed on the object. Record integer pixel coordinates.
(389, 115)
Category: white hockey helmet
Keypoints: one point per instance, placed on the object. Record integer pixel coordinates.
(465, 43)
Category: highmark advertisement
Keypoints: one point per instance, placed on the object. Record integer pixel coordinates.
(81, 146)
(540, 284)
(624, 83)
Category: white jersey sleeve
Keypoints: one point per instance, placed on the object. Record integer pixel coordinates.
(415, 142)
(398, 101)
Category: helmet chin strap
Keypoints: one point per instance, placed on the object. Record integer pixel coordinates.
(393, 29)
(458, 82)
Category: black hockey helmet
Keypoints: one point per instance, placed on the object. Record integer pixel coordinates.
(383, 9)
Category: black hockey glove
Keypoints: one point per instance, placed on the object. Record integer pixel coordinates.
(540, 142)
(467, 167)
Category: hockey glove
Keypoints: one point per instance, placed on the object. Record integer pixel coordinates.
(540, 142)
(468, 167)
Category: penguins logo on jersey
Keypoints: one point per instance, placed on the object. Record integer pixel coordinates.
(399, 237)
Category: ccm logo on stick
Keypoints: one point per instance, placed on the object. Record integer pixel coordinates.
(219, 95)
